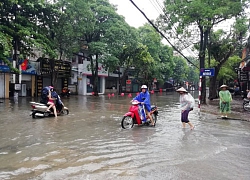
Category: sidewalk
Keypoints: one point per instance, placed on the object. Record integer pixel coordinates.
(237, 111)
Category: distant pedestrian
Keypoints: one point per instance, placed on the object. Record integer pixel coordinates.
(225, 101)
(186, 104)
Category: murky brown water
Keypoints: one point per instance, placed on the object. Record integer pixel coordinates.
(90, 144)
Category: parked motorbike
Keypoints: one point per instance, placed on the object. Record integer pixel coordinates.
(40, 110)
(65, 92)
(246, 105)
(243, 94)
(134, 116)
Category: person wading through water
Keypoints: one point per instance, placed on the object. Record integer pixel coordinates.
(186, 104)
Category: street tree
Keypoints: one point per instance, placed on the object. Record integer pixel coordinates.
(121, 40)
(222, 46)
(26, 22)
(181, 70)
(66, 30)
(5, 50)
(98, 27)
(195, 19)
(228, 71)
(193, 72)
(162, 54)
(143, 64)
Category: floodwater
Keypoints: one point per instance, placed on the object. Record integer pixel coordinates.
(89, 143)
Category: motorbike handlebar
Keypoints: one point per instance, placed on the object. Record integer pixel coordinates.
(135, 102)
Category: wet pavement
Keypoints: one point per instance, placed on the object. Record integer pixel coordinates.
(90, 144)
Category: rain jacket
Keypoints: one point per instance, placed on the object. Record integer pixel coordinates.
(187, 101)
(44, 95)
(143, 97)
(225, 96)
(55, 95)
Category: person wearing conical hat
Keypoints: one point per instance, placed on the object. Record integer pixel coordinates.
(225, 101)
(186, 104)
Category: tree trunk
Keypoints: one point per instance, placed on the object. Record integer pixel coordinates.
(95, 77)
(54, 77)
(54, 74)
(202, 55)
(119, 78)
(213, 86)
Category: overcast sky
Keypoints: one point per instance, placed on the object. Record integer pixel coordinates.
(132, 16)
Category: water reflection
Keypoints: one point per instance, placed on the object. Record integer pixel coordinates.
(89, 143)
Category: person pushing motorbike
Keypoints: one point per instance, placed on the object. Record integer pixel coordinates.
(144, 98)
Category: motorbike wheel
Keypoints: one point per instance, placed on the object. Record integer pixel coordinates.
(246, 106)
(65, 111)
(127, 122)
(154, 116)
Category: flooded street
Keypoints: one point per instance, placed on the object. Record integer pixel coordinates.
(89, 143)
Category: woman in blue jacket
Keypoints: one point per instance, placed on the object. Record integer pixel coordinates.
(144, 98)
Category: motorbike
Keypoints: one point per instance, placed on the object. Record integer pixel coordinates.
(134, 116)
(65, 93)
(40, 110)
(246, 105)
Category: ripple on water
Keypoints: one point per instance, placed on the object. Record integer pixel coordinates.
(92, 145)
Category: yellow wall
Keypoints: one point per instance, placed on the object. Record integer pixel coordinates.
(33, 85)
(7, 85)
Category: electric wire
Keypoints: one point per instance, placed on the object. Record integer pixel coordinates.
(162, 34)
(185, 44)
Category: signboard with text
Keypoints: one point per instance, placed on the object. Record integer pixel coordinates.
(243, 76)
(85, 69)
(207, 72)
(63, 68)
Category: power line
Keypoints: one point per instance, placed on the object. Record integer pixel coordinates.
(162, 34)
(186, 46)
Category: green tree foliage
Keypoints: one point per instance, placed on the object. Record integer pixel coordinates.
(193, 72)
(103, 17)
(181, 70)
(222, 46)
(143, 64)
(26, 22)
(228, 70)
(165, 66)
(162, 54)
(5, 49)
(67, 30)
(201, 15)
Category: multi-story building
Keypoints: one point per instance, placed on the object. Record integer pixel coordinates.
(82, 82)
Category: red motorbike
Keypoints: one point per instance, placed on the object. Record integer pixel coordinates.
(134, 116)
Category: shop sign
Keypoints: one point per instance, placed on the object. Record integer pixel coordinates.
(86, 69)
(62, 67)
(4, 68)
(242, 76)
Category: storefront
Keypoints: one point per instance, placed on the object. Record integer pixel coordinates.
(112, 81)
(49, 69)
(4, 80)
(29, 71)
(244, 68)
(85, 80)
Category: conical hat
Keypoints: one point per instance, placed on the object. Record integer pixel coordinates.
(224, 86)
(181, 90)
